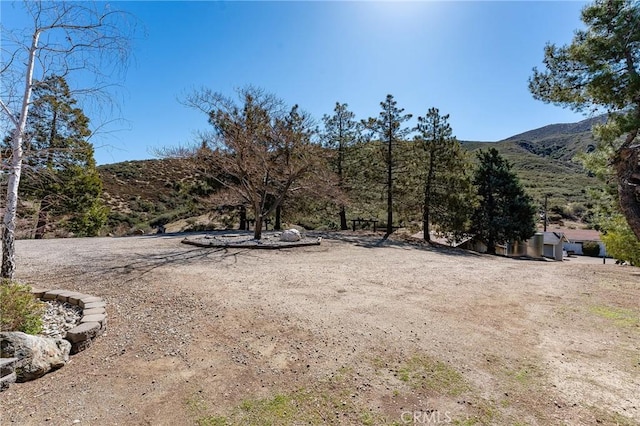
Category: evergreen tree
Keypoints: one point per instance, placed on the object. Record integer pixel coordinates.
(443, 166)
(61, 171)
(601, 69)
(618, 238)
(341, 132)
(388, 128)
(505, 213)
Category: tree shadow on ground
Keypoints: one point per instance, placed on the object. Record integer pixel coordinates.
(142, 264)
(133, 266)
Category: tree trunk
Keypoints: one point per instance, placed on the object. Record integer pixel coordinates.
(426, 234)
(491, 246)
(390, 189)
(9, 222)
(343, 219)
(243, 218)
(8, 253)
(257, 231)
(343, 213)
(627, 165)
(426, 209)
(41, 226)
(427, 194)
(278, 224)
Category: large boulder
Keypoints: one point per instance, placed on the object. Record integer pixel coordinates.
(36, 355)
(290, 235)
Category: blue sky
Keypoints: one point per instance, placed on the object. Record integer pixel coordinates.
(469, 59)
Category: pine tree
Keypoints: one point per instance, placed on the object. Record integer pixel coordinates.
(61, 171)
(600, 69)
(505, 213)
(341, 132)
(443, 166)
(388, 127)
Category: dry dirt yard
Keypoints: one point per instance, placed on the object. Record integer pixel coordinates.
(353, 331)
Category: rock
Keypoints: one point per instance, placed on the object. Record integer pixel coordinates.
(7, 372)
(36, 355)
(60, 317)
(290, 235)
(6, 381)
(86, 300)
(85, 331)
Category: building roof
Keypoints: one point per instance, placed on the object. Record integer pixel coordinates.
(554, 237)
(578, 235)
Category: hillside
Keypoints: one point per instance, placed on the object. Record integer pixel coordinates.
(142, 194)
(544, 159)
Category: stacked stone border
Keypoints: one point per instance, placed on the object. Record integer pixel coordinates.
(92, 323)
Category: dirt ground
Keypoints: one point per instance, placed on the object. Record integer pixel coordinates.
(354, 331)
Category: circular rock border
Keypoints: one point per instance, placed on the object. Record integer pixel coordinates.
(92, 323)
(270, 242)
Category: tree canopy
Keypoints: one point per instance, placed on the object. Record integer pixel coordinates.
(341, 132)
(259, 151)
(388, 126)
(443, 168)
(600, 70)
(60, 169)
(505, 213)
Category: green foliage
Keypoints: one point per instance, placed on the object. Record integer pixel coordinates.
(389, 129)
(89, 222)
(620, 241)
(599, 70)
(565, 180)
(505, 212)
(62, 174)
(591, 248)
(442, 169)
(19, 310)
(341, 132)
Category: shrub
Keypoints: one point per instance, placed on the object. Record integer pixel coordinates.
(591, 248)
(620, 241)
(19, 309)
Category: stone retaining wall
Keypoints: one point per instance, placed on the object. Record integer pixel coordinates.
(94, 316)
(92, 324)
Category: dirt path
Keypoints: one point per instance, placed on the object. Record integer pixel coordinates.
(349, 332)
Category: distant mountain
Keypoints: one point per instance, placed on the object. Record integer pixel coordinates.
(545, 160)
(553, 130)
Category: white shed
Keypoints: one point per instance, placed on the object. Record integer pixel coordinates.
(553, 245)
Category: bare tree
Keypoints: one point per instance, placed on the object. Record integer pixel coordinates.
(64, 39)
(258, 151)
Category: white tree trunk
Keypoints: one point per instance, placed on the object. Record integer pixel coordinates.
(11, 207)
